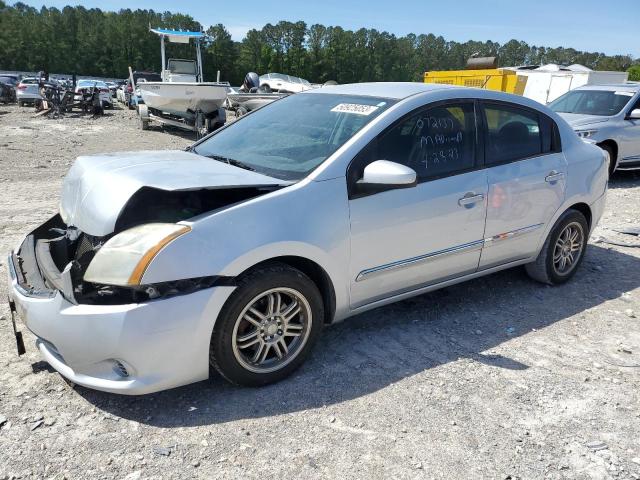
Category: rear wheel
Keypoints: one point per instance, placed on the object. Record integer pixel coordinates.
(563, 250)
(267, 327)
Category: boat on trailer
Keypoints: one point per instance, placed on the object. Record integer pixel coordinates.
(182, 99)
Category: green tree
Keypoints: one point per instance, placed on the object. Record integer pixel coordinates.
(634, 73)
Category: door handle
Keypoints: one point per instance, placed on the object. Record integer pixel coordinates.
(553, 176)
(470, 199)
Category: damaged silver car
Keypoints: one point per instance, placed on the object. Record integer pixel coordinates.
(233, 255)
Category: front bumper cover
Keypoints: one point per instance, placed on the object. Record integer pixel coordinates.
(160, 343)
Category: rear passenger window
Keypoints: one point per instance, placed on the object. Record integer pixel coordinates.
(436, 142)
(513, 133)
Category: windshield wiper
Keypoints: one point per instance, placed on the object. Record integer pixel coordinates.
(232, 161)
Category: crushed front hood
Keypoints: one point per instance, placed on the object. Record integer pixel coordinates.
(97, 187)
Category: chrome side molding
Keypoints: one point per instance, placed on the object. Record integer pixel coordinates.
(372, 272)
(512, 234)
(467, 247)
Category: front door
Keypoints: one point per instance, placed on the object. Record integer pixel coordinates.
(527, 179)
(406, 238)
(629, 138)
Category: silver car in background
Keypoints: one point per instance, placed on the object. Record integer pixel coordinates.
(608, 115)
(279, 82)
(27, 91)
(233, 255)
(103, 88)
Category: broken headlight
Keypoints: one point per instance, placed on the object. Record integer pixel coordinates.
(124, 258)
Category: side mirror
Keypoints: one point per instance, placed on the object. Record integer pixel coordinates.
(383, 174)
(634, 114)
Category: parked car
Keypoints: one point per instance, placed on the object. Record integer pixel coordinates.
(608, 115)
(105, 93)
(233, 255)
(7, 93)
(279, 82)
(113, 88)
(27, 91)
(8, 84)
(120, 96)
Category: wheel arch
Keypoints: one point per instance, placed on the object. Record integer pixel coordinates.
(315, 272)
(613, 145)
(585, 210)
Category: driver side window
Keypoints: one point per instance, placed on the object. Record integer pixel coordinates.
(435, 142)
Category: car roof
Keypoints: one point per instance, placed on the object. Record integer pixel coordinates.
(394, 90)
(612, 87)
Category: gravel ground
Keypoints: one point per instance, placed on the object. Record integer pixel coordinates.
(496, 378)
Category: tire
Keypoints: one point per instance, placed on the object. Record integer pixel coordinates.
(241, 111)
(612, 159)
(547, 270)
(238, 363)
(20, 103)
(143, 117)
(202, 125)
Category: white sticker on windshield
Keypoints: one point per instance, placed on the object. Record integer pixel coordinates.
(354, 108)
(626, 94)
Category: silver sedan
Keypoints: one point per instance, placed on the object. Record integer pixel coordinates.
(233, 255)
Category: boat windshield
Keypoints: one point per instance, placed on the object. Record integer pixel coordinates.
(592, 102)
(289, 138)
(186, 67)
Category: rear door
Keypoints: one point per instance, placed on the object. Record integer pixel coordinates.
(527, 180)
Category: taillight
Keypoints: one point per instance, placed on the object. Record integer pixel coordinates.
(21, 86)
(129, 88)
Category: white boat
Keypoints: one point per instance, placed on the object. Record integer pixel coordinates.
(182, 99)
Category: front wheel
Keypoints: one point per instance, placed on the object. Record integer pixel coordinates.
(267, 327)
(612, 159)
(563, 250)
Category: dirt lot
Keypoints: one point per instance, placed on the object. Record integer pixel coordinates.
(496, 378)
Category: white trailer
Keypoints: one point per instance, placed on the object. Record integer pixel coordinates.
(548, 82)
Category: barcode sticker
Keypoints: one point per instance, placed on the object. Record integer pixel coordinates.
(354, 108)
(626, 94)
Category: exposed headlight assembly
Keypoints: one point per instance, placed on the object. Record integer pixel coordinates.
(586, 133)
(125, 257)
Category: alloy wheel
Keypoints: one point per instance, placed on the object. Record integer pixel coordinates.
(568, 248)
(272, 330)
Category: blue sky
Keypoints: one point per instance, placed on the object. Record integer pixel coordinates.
(610, 26)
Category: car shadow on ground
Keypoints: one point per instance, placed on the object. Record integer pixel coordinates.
(378, 348)
(628, 179)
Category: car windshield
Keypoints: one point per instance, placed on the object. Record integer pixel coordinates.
(289, 138)
(592, 102)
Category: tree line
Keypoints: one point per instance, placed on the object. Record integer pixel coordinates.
(104, 43)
